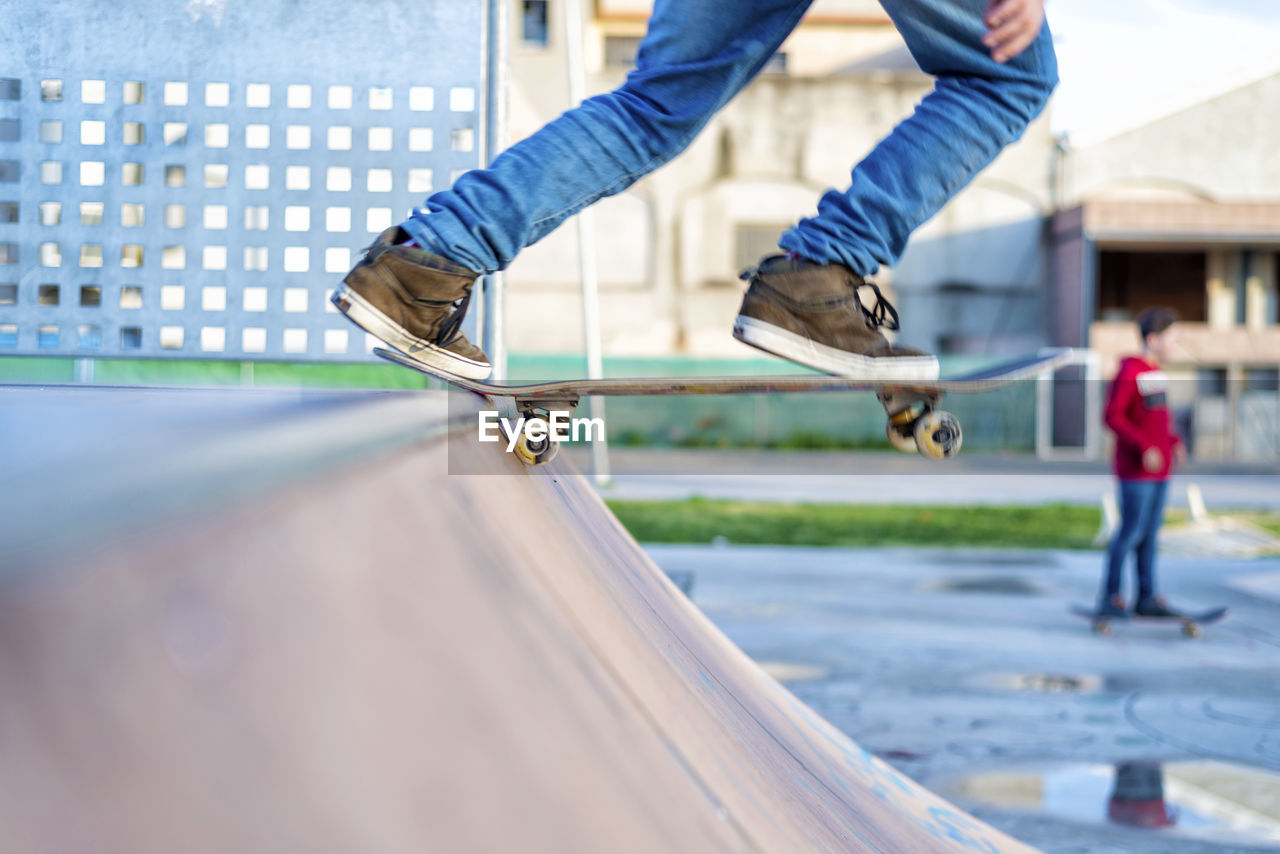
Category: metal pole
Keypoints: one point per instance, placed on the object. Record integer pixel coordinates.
(497, 77)
(573, 38)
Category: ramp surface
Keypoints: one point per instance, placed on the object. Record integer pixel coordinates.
(381, 656)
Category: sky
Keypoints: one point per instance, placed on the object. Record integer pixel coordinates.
(1122, 62)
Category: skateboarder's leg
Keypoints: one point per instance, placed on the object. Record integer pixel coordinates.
(1148, 602)
(977, 107)
(694, 58)
(813, 306)
(1134, 505)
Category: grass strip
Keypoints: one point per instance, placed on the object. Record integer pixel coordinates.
(701, 520)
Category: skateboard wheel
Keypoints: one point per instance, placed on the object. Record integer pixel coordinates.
(536, 453)
(1191, 630)
(526, 454)
(549, 454)
(1102, 628)
(905, 442)
(938, 434)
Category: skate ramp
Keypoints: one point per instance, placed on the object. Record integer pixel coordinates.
(358, 651)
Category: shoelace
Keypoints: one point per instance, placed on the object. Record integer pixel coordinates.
(882, 313)
(449, 329)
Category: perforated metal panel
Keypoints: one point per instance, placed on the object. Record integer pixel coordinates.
(193, 179)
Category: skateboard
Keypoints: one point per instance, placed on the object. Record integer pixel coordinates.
(915, 423)
(1191, 621)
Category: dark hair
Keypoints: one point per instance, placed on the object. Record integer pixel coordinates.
(1153, 321)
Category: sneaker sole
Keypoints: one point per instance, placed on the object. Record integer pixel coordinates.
(362, 313)
(797, 348)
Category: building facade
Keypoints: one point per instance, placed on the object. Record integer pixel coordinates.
(1183, 211)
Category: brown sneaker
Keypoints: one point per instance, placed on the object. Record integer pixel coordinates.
(414, 301)
(813, 314)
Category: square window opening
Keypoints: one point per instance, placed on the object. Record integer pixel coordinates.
(255, 299)
(339, 97)
(93, 91)
(173, 258)
(213, 299)
(298, 97)
(175, 133)
(257, 177)
(257, 136)
(257, 95)
(217, 136)
(91, 255)
(175, 94)
(215, 176)
(171, 337)
(93, 132)
(422, 98)
(173, 298)
(217, 94)
(130, 255)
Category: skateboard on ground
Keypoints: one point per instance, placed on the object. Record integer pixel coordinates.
(915, 422)
(1191, 620)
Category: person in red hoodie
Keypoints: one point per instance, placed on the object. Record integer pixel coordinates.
(1147, 449)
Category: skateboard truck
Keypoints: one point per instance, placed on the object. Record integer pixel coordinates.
(916, 424)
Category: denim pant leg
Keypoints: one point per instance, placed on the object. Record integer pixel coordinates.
(1146, 545)
(694, 58)
(1134, 505)
(977, 107)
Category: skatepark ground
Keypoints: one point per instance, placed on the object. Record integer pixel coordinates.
(277, 621)
(963, 667)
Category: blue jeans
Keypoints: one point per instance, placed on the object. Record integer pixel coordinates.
(1141, 513)
(696, 56)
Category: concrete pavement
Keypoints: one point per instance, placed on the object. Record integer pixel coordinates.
(954, 662)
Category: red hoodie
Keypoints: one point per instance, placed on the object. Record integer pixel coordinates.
(1138, 412)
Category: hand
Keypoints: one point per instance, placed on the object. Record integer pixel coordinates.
(1152, 460)
(1180, 455)
(1012, 26)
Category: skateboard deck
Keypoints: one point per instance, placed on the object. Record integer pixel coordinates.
(915, 422)
(1190, 621)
